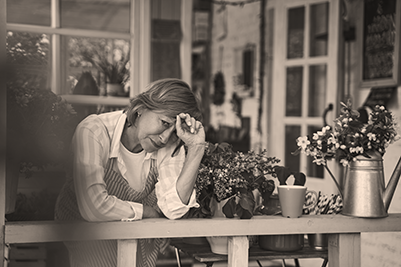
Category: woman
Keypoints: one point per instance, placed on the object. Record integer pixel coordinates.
(134, 164)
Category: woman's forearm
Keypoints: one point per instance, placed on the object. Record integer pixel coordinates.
(186, 180)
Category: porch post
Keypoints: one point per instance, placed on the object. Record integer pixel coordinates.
(238, 247)
(345, 250)
(126, 252)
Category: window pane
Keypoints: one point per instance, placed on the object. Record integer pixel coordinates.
(294, 91)
(29, 58)
(94, 55)
(36, 12)
(317, 90)
(319, 18)
(166, 40)
(96, 15)
(292, 132)
(93, 64)
(296, 31)
(314, 170)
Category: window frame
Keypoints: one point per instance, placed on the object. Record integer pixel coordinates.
(139, 37)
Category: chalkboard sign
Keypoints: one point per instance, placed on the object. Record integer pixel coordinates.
(380, 40)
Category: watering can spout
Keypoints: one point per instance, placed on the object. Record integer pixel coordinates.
(391, 186)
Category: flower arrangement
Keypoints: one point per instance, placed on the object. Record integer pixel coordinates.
(350, 137)
(225, 174)
(40, 125)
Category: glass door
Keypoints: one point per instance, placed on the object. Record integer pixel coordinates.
(305, 81)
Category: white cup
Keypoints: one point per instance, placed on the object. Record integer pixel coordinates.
(292, 200)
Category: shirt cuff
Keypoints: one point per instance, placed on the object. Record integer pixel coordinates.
(172, 206)
(138, 211)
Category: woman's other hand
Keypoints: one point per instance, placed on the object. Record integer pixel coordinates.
(189, 130)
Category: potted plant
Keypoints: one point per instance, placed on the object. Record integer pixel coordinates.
(227, 183)
(115, 67)
(40, 125)
(227, 175)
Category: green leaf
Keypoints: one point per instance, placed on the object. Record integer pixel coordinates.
(229, 208)
(300, 178)
(282, 174)
(246, 205)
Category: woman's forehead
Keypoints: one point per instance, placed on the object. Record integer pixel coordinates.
(163, 114)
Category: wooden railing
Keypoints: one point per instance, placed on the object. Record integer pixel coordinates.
(344, 240)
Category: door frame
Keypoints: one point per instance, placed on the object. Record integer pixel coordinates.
(277, 119)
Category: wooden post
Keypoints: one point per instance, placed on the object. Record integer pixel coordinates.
(126, 252)
(345, 250)
(238, 247)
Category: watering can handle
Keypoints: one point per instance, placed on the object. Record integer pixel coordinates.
(326, 110)
(392, 185)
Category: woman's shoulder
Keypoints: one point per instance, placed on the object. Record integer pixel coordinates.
(103, 120)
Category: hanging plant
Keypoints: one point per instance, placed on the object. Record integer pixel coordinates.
(219, 89)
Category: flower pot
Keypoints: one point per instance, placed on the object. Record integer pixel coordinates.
(281, 242)
(318, 241)
(115, 89)
(218, 244)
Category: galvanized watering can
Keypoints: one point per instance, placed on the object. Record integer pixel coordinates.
(365, 193)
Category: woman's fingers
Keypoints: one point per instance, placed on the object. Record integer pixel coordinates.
(189, 121)
(198, 126)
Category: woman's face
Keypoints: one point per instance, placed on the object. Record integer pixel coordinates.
(155, 130)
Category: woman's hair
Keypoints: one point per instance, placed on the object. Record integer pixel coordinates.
(170, 96)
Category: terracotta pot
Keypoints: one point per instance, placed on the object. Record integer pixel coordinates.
(282, 242)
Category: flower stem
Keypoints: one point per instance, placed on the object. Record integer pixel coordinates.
(335, 181)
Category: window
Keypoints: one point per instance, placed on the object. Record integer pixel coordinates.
(120, 28)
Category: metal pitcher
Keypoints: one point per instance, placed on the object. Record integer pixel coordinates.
(365, 193)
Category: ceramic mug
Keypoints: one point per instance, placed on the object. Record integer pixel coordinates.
(292, 200)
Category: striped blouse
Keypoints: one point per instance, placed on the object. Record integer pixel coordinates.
(96, 139)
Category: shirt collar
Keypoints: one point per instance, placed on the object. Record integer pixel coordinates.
(115, 142)
(118, 131)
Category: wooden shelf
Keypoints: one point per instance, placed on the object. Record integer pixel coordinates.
(202, 253)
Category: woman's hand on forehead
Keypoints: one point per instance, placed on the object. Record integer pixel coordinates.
(189, 130)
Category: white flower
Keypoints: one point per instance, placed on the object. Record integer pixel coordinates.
(337, 145)
(331, 140)
(303, 142)
(315, 136)
(344, 162)
(319, 161)
(371, 136)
